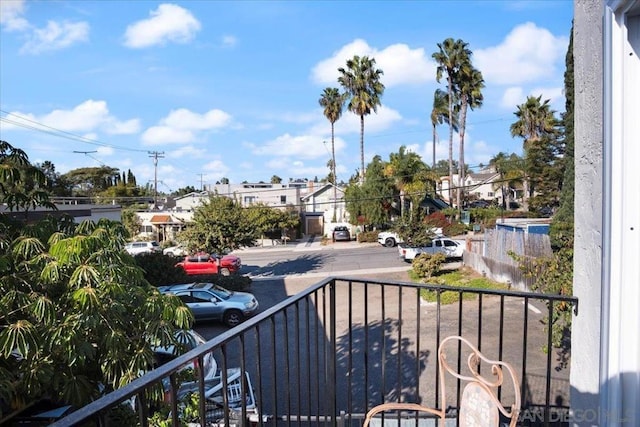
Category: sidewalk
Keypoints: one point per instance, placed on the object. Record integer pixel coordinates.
(312, 243)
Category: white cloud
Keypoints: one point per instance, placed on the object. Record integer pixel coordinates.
(188, 151)
(55, 36)
(104, 151)
(168, 23)
(512, 97)
(528, 53)
(85, 117)
(158, 135)
(182, 126)
(301, 146)
(373, 123)
(296, 168)
(124, 128)
(11, 12)
(185, 119)
(216, 169)
(554, 94)
(229, 41)
(400, 63)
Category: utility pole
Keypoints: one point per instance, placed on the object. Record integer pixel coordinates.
(201, 175)
(155, 155)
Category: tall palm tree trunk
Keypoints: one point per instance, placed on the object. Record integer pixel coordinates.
(361, 148)
(450, 139)
(435, 136)
(335, 178)
(461, 173)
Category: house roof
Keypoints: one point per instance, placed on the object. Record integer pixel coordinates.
(320, 190)
(162, 219)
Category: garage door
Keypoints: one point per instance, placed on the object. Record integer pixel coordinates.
(314, 225)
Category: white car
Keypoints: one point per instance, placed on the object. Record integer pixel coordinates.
(178, 250)
(389, 239)
(135, 248)
(451, 249)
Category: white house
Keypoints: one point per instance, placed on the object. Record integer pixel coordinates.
(318, 208)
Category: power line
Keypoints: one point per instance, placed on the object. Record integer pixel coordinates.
(49, 130)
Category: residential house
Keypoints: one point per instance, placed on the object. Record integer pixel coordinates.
(319, 208)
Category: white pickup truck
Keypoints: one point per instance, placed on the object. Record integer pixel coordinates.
(452, 249)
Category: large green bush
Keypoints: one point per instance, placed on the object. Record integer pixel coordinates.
(368, 237)
(426, 265)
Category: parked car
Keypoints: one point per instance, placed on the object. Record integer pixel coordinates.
(452, 249)
(203, 263)
(208, 301)
(135, 248)
(177, 250)
(341, 232)
(389, 239)
(213, 382)
(480, 204)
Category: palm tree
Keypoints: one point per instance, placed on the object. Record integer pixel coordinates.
(451, 57)
(332, 101)
(535, 121)
(510, 170)
(440, 115)
(470, 86)
(411, 176)
(361, 82)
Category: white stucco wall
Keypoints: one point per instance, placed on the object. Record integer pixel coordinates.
(585, 342)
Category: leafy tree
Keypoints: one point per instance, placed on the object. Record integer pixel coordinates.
(370, 202)
(410, 175)
(511, 173)
(275, 179)
(219, 226)
(537, 125)
(224, 180)
(22, 185)
(264, 219)
(130, 221)
(361, 82)
(332, 101)
(452, 56)
(76, 317)
(55, 183)
(184, 190)
(131, 178)
(91, 181)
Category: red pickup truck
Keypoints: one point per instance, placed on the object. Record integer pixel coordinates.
(203, 263)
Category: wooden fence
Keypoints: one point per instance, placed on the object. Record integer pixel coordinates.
(489, 255)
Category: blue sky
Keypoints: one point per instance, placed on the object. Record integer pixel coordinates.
(231, 88)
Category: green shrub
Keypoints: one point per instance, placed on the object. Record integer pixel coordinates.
(455, 229)
(460, 278)
(426, 265)
(161, 269)
(368, 237)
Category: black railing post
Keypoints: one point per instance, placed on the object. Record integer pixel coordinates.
(333, 376)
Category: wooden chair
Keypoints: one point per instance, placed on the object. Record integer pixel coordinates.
(479, 405)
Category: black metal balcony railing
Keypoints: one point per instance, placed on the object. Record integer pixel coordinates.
(330, 353)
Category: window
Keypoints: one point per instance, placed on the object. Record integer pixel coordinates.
(490, 194)
(438, 243)
(283, 199)
(201, 296)
(449, 243)
(186, 298)
(146, 229)
(248, 200)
